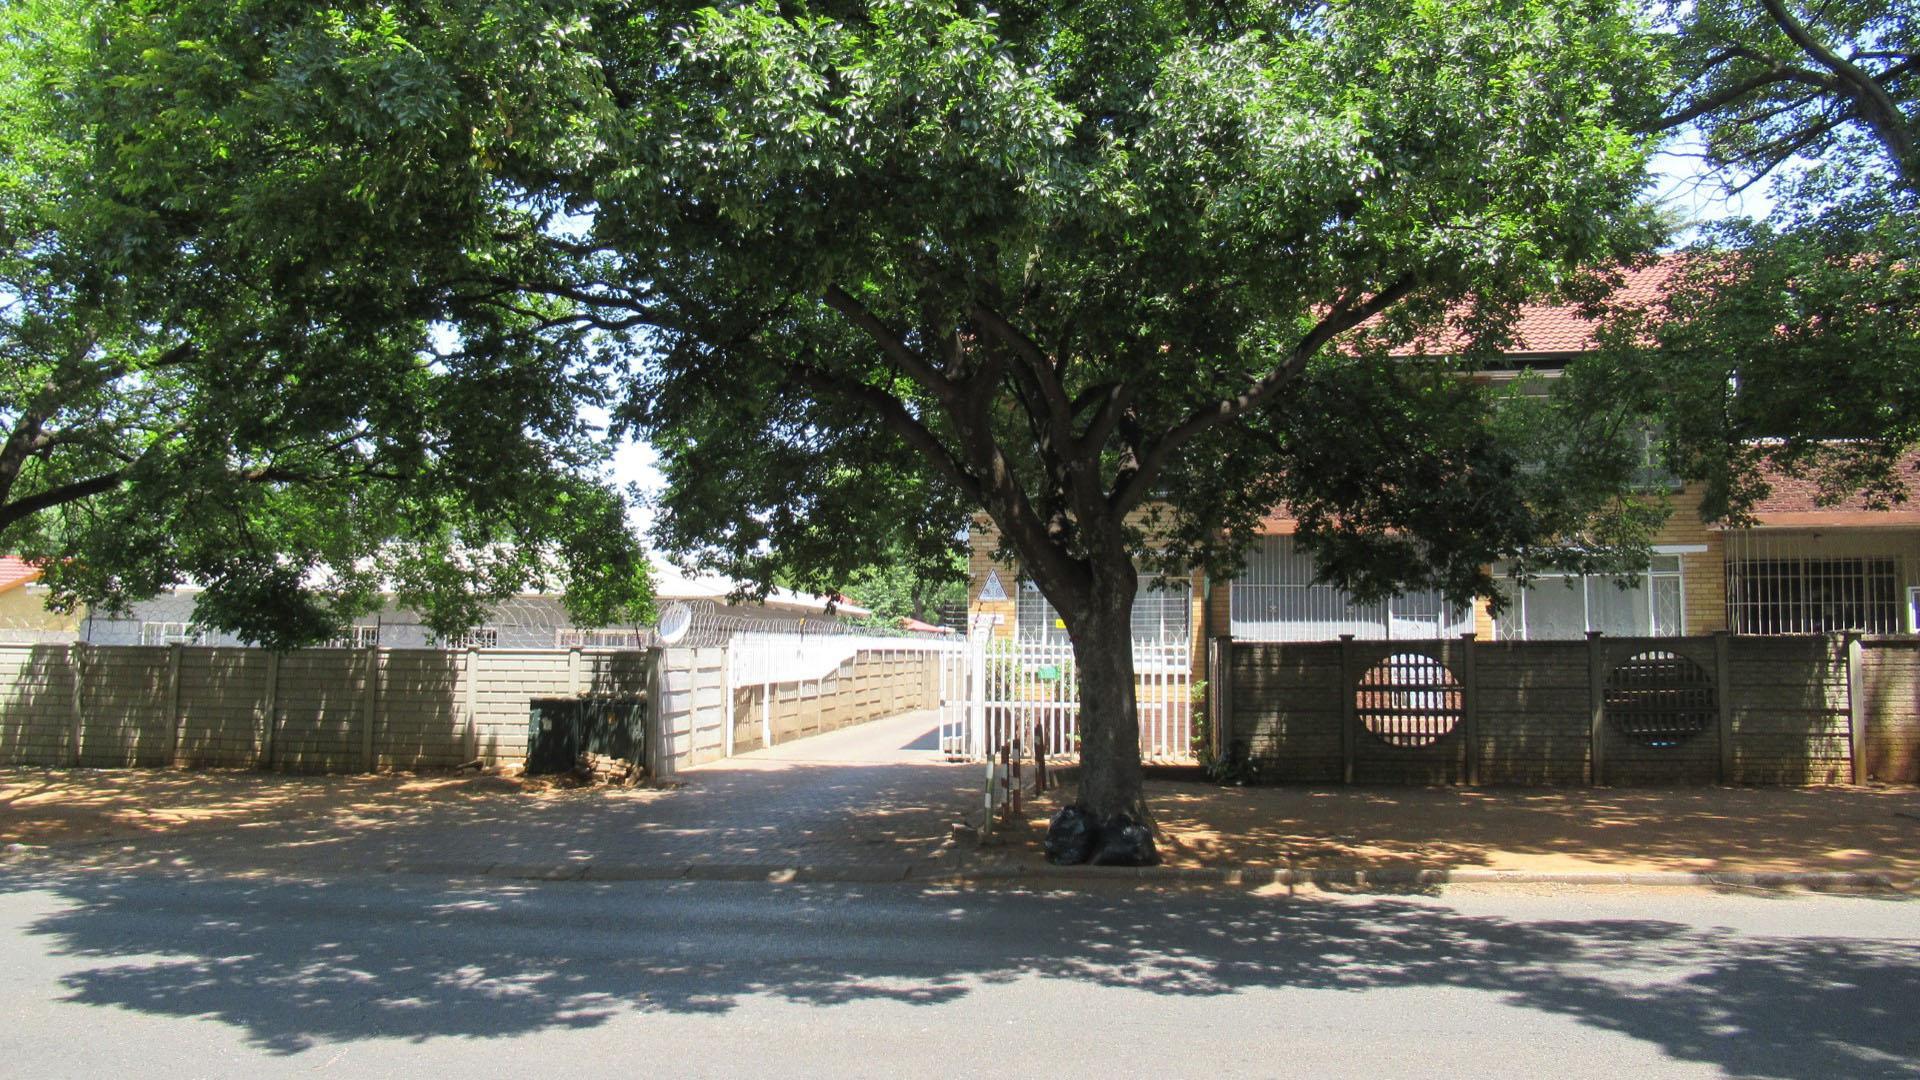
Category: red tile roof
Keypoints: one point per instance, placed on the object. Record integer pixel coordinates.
(1561, 328)
(15, 571)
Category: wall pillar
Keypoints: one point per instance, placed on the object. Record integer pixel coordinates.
(1723, 696)
(1856, 709)
(1349, 717)
(1470, 706)
(1597, 708)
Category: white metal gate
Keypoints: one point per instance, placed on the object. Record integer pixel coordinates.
(1000, 690)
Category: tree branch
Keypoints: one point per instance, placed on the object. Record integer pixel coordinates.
(1153, 459)
(1728, 95)
(892, 344)
(22, 509)
(1876, 106)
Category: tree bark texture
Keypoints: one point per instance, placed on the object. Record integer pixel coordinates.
(1102, 634)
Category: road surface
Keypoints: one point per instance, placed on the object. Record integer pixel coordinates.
(173, 973)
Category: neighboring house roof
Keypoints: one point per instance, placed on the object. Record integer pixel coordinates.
(671, 583)
(15, 571)
(1547, 329)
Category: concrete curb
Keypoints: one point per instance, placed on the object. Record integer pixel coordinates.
(1411, 877)
(1364, 879)
(1382, 878)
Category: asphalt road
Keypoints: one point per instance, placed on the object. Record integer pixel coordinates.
(168, 974)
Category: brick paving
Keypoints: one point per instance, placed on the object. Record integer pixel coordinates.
(872, 794)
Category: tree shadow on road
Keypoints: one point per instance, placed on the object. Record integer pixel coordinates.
(296, 963)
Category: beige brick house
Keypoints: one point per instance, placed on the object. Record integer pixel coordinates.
(1802, 568)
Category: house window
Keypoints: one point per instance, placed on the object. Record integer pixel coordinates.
(172, 633)
(1034, 618)
(1814, 596)
(485, 637)
(1162, 613)
(1276, 598)
(570, 637)
(357, 637)
(1565, 606)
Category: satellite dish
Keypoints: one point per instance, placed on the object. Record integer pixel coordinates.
(675, 621)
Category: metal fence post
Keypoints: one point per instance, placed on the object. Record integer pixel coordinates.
(977, 698)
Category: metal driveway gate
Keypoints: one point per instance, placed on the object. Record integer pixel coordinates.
(1027, 692)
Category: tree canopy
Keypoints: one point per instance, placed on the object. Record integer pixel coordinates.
(1122, 275)
(1793, 343)
(214, 371)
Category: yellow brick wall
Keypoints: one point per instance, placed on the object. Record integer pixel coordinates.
(25, 608)
(1703, 575)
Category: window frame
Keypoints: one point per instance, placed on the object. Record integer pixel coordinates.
(1650, 578)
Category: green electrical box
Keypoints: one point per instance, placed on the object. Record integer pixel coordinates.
(559, 730)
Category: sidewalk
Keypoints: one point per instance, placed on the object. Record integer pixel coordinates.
(878, 793)
(878, 803)
(1547, 832)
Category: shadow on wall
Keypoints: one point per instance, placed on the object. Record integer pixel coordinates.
(282, 962)
(36, 705)
(308, 711)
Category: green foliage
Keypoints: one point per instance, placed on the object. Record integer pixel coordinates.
(1793, 345)
(234, 348)
(939, 244)
(904, 586)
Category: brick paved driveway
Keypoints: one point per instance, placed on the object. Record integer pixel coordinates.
(876, 793)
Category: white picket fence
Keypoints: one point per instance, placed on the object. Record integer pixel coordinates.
(994, 691)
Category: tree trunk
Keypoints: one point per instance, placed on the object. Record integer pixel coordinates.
(1102, 633)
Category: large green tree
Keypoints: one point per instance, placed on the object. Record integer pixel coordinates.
(208, 373)
(1793, 343)
(1123, 276)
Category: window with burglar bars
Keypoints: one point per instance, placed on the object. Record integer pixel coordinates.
(172, 633)
(568, 637)
(357, 637)
(486, 637)
(1162, 613)
(1813, 596)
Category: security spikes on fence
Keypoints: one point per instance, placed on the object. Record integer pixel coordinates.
(35, 630)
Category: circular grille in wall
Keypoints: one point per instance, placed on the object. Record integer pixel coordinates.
(1408, 699)
(1660, 699)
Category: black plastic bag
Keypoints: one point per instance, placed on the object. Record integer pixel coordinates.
(1069, 837)
(1125, 842)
